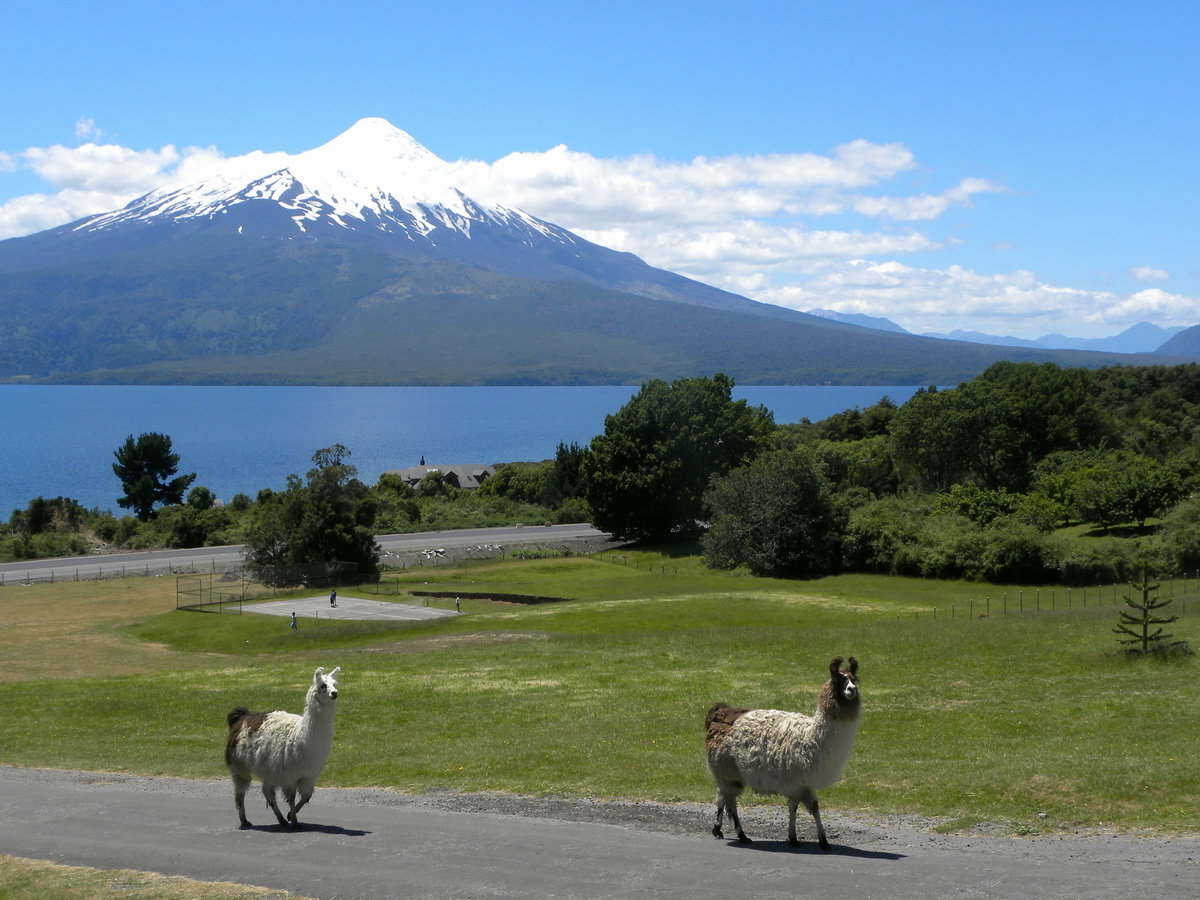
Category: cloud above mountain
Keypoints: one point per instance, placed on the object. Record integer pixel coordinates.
(801, 230)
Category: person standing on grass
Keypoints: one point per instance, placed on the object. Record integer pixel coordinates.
(295, 624)
(333, 597)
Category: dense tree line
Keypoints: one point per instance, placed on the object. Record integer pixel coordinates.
(1029, 472)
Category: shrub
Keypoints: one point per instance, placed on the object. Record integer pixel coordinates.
(776, 516)
(1084, 561)
(885, 535)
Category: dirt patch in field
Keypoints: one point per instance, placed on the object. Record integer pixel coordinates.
(70, 630)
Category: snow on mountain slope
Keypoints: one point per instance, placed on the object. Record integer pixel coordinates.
(372, 175)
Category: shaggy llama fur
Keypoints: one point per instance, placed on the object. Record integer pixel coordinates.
(285, 751)
(785, 753)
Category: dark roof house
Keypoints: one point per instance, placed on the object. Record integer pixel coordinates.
(465, 476)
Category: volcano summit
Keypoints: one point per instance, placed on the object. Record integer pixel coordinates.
(361, 262)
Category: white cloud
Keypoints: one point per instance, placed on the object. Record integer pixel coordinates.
(925, 206)
(86, 130)
(37, 212)
(94, 178)
(744, 223)
(100, 167)
(1014, 303)
(1149, 273)
(581, 191)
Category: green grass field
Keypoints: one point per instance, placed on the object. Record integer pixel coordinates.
(1035, 720)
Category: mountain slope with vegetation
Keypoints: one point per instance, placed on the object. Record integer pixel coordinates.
(361, 262)
(269, 313)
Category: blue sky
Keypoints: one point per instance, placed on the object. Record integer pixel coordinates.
(1018, 168)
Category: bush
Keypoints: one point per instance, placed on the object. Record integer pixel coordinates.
(1086, 561)
(776, 516)
(885, 535)
(1011, 552)
(47, 544)
(1179, 538)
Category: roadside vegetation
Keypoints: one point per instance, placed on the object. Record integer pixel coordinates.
(1035, 719)
(1028, 473)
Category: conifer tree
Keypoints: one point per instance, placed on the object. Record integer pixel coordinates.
(1142, 616)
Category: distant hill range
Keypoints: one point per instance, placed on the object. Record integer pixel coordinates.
(1144, 337)
(360, 262)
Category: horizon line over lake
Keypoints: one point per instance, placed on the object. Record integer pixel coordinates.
(59, 440)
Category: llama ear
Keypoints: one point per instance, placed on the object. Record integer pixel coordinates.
(835, 666)
(335, 671)
(317, 674)
(853, 666)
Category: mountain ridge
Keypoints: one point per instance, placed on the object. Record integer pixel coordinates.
(282, 265)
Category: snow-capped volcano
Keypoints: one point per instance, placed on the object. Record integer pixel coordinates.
(373, 175)
(361, 261)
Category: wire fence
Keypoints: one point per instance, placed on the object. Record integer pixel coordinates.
(101, 571)
(1184, 592)
(229, 591)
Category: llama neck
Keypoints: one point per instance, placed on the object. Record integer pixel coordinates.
(317, 718)
(832, 708)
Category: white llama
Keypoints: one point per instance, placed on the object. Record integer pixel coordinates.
(282, 749)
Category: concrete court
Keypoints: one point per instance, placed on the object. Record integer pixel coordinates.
(347, 608)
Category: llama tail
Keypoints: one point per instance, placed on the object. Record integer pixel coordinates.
(236, 715)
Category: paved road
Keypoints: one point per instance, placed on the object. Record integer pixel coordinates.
(377, 844)
(212, 559)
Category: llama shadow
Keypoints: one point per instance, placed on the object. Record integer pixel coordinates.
(813, 849)
(276, 828)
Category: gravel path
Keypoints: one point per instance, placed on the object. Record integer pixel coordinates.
(371, 843)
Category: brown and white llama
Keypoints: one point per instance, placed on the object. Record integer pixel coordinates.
(285, 751)
(785, 753)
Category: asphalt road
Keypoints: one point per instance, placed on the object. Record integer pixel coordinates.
(213, 559)
(377, 844)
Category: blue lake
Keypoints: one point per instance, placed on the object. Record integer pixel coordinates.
(58, 440)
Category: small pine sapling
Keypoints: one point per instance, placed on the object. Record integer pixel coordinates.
(1142, 624)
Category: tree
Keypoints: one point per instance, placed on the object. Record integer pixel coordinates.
(201, 498)
(646, 475)
(931, 438)
(1141, 616)
(146, 467)
(996, 428)
(325, 519)
(776, 516)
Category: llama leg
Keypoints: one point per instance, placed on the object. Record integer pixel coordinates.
(269, 792)
(731, 806)
(306, 792)
(289, 794)
(810, 803)
(793, 802)
(717, 831)
(240, 786)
